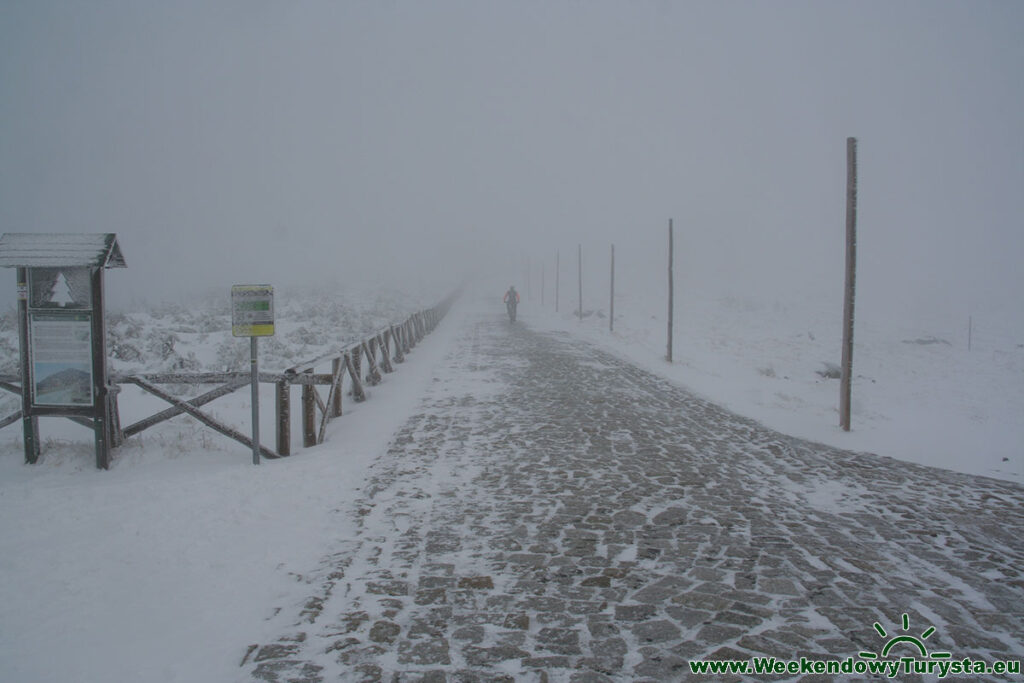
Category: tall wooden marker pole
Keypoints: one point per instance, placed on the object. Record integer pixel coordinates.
(851, 272)
(611, 302)
(558, 268)
(529, 280)
(671, 288)
(579, 270)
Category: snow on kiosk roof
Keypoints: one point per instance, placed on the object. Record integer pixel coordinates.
(55, 250)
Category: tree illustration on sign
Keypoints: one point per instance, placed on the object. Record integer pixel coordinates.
(61, 292)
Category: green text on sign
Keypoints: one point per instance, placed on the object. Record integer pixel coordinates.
(252, 310)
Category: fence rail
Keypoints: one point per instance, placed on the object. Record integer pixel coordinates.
(381, 351)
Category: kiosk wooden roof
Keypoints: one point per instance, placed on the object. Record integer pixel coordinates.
(57, 250)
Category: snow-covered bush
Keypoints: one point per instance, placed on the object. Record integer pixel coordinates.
(232, 355)
(162, 346)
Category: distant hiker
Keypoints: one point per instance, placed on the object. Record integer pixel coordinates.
(511, 301)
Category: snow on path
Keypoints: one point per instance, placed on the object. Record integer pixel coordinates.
(155, 571)
(555, 513)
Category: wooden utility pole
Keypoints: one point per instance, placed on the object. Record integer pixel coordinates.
(851, 271)
(671, 288)
(557, 270)
(611, 302)
(529, 280)
(579, 271)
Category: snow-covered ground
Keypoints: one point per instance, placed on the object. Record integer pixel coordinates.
(158, 568)
(164, 567)
(918, 393)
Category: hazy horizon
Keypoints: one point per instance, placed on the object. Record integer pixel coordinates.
(406, 142)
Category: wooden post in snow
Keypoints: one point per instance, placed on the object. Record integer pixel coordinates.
(529, 280)
(336, 370)
(557, 268)
(851, 274)
(284, 417)
(671, 292)
(611, 302)
(542, 284)
(308, 413)
(579, 271)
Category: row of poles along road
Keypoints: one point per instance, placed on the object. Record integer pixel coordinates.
(846, 365)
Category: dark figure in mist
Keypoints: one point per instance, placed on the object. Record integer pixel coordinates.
(511, 301)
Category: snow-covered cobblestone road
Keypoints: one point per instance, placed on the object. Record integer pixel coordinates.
(554, 513)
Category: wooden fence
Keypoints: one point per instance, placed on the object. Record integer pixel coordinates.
(380, 352)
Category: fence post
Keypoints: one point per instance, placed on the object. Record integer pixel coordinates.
(284, 417)
(851, 274)
(308, 413)
(357, 361)
(385, 351)
(373, 377)
(396, 337)
(336, 373)
(357, 384)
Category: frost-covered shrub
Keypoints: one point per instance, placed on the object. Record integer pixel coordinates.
(311, 321)
(124, 350)
(186, 363)
(162, 345)
(123, 338)
(273, 353)
(233, 355)
(129, 329)
(9, 355)
(9, 321)
(209, 322)
(306, 337)
(130, 324)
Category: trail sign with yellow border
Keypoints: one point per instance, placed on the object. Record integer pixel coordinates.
(252, 311)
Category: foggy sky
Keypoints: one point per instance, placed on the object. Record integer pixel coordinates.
(303, 141)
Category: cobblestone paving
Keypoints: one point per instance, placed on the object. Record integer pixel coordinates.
(556, 514)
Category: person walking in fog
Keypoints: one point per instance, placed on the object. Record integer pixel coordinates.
(511, 301)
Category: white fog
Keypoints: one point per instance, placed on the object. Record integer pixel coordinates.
(544, 499)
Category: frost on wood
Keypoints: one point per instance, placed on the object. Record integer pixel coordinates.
(37, 250)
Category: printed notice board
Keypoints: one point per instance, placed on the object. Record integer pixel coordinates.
(252, 311)
(61, 359)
